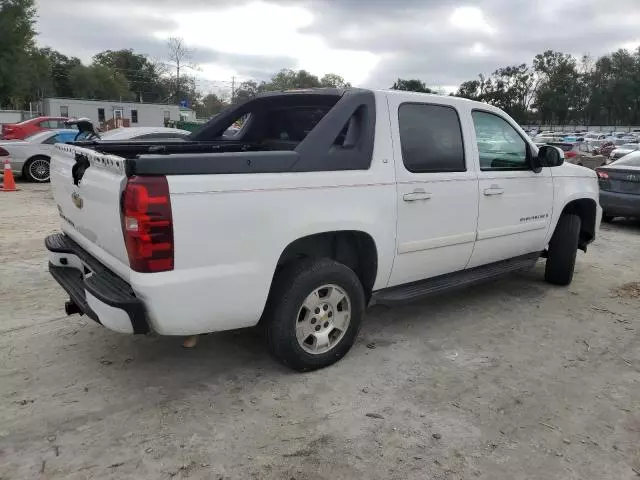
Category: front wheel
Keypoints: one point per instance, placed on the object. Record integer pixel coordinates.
(563, 248)
(314, 313)
(37, 169)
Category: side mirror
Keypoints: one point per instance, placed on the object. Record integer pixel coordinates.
(549, 156)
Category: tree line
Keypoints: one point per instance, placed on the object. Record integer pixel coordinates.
(557, 88)
(29, 73)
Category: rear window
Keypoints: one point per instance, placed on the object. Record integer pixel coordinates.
(294, 124)
(631, 160)
(431, 138)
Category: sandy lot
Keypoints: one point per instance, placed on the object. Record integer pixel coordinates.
(512, 380)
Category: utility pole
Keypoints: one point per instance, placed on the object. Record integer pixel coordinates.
(178, 80)
(233, 88)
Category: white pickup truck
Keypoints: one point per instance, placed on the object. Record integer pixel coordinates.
(323, 202)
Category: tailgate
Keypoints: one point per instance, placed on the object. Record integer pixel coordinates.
(87, 188)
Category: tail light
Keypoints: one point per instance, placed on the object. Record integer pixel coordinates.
(570, 154)
(602, 175)
(3, 152)
(147, 224)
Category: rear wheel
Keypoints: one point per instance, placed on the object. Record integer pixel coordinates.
(607, 218)
(563, 248)
(37, 169)
(314, 313)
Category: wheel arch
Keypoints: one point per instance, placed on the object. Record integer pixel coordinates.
(354, 248)
(587, 210)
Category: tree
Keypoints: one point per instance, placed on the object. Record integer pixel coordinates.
(144, 76)
(17, 18)
(209, 106)
(60, 67)
(413, 85)
(559, 89)
(334, 81)
(180, 57)
(247, 90)
(287, 79)
(100, 83)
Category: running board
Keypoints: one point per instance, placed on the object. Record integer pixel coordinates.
(452, 281)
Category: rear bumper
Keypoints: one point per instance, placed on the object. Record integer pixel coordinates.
(620, 204)
(93, 288)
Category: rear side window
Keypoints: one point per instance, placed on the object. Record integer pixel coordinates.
(431, 138)
(294, 124)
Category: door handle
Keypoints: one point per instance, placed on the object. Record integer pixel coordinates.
(493, 190)
(416, 195)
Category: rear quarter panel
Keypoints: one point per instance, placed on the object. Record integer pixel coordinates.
(230, 230)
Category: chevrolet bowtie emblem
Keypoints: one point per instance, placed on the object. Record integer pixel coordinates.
(77, 199)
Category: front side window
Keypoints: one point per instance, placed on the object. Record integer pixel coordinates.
(430, 138)
(499, 144)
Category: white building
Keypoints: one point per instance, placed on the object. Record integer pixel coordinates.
(109, 114)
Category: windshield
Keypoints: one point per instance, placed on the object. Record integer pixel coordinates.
(38, 137)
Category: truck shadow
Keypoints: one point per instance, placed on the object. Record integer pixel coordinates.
(221, 358)
(624, 224)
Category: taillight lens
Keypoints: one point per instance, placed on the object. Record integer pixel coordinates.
(147, 224)
(569, 154)
(602, 175)
(3, 152)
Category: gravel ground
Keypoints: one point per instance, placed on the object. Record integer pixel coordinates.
(511, 380)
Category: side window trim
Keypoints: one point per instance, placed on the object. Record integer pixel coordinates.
(526, 143)
(465, 164)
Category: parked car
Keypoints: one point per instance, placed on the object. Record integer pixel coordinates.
(620, 187)
(623, 150)
(327, 201)
(595, 136)
(30, 157)
(581, 154)
(19, 131)
(548, 137)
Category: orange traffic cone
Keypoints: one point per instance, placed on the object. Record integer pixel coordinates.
(9, 184)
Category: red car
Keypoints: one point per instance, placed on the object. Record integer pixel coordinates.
(18, 131)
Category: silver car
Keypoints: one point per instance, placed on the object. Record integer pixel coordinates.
(30, 157)
(623, 150)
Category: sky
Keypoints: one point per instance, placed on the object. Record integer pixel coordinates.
(369, 42)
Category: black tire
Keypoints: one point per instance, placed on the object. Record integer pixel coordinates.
(32, 176)
(290, 288)
(607, 218)
(563, 248)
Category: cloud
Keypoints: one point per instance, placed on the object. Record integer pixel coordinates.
(369, 42)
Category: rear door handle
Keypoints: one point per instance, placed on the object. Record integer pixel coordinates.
(493, 190)
(416, 195)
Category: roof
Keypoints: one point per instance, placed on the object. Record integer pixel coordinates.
(115, 102)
